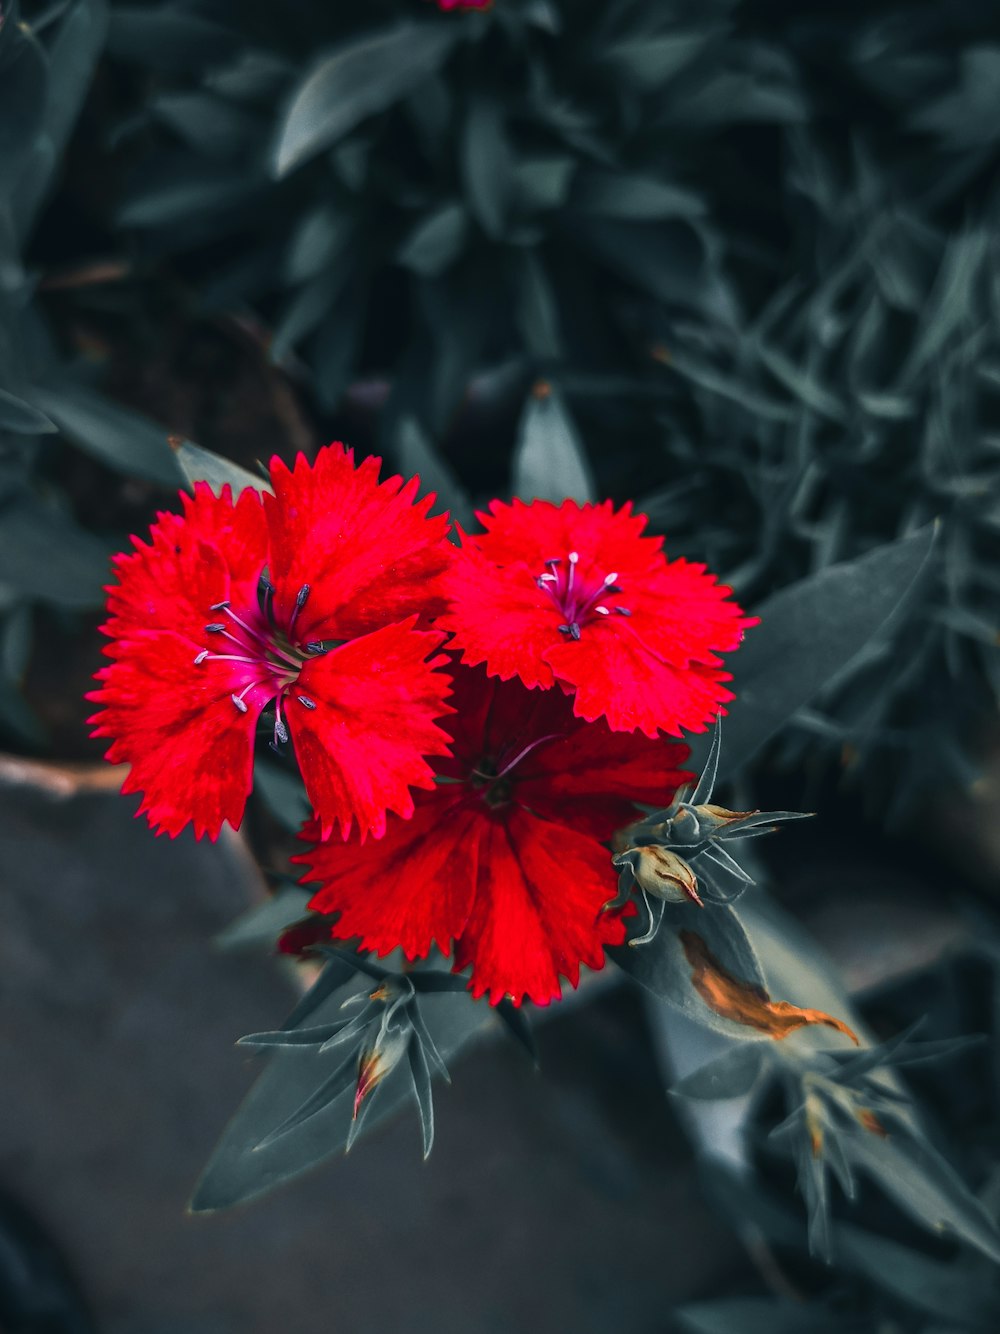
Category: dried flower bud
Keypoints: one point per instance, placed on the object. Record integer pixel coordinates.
(661, 873)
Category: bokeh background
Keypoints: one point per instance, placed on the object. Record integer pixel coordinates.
(736, 260)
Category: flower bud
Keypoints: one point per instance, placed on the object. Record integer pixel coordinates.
(376, 1062)
(661, 873)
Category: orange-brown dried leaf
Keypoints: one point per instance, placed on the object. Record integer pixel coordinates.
(745, 1002)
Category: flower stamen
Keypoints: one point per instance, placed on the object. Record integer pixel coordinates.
(578, 598)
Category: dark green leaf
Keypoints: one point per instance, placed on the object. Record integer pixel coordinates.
(809, 633)
(912, 1172)
(628, 195)
(486, 165)
(945, 1289)
(518, 1025)
(20, 417)
(212, 125)
(23, 93)
(662, 967)
(73, 55)
(537, 311)
(44, 555)
(168, 38)
(283, 792)
(191, 195)
(418, 457)
(260, 926)
(123, 439)
(436, 241)
(242, 1167)
(730, 1075)
(542, 183)
(361, 78)
(649, 63)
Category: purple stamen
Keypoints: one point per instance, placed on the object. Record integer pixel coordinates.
(240, 703)
(300, 601)
(306, 702)
(578, 599)
(553, 736)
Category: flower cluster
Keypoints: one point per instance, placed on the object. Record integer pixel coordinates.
(472, 724)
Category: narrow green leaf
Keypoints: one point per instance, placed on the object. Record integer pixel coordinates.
(486, 165)
(20, 417)
(549, 461)
(361, 78)
(201, 465)
(536, 309)
(421, 1077)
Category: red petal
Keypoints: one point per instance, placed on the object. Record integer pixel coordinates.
(593, 778)
(411, 889)
(540, 531)
(368, 552)
(190, 748)
(537, 912)
(362, 748)
(500, 617)
(685, 615)
(617, 677)
(214, 551)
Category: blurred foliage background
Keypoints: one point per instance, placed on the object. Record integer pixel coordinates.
(749, 246)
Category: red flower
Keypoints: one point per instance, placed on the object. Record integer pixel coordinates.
(575, 595)
(505, 856)
(306, 599)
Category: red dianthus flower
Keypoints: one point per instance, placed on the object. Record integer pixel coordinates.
(505, 856)
(307, 599)
(575, 595)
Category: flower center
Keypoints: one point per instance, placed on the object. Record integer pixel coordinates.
(493, 777)
(578, 598)
(265, 657)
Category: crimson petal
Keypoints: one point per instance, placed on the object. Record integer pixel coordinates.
(362, 738)
(190, 748)
(367, 549)
(411, 889)
(537, 911)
